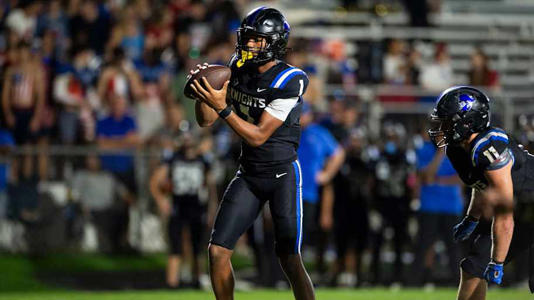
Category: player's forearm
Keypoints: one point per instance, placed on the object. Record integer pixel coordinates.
(204, 114)
(251, 133)
(475, 206)
(503, 229)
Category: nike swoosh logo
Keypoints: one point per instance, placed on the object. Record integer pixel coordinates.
(260, 90)
(280, 175)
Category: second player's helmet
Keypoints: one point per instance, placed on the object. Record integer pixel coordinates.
(459, 112)
(262, 23)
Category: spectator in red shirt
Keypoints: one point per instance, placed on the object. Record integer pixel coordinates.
(119, 78)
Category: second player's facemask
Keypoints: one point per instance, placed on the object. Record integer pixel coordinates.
(441, 131)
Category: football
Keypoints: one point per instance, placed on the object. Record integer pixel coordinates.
(216, 75)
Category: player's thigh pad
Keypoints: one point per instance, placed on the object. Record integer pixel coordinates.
(286, 209)
(237, 211)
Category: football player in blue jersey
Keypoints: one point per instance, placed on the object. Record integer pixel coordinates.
(262, 103)
(498, 169)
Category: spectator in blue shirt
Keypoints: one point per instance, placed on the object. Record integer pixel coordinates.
(320, 158)
(116, 132)
(441, 207)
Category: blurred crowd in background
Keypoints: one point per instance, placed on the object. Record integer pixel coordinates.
(92, 100)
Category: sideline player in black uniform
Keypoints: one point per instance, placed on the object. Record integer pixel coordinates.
(264, 97)
(497, 169)
(188, 174)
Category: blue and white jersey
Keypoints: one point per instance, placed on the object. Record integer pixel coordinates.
(278, 91)
(490, 150)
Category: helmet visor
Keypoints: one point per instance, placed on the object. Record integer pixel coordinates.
(251, 40)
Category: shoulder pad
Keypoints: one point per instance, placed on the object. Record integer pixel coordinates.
(290, 82)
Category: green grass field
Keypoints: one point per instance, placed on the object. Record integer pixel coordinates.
(366, 294)
(18, 281)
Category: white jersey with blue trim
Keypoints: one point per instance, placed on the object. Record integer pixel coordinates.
(278, 91)
(492, 149)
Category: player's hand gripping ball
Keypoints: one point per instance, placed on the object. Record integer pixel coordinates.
(216, 75)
